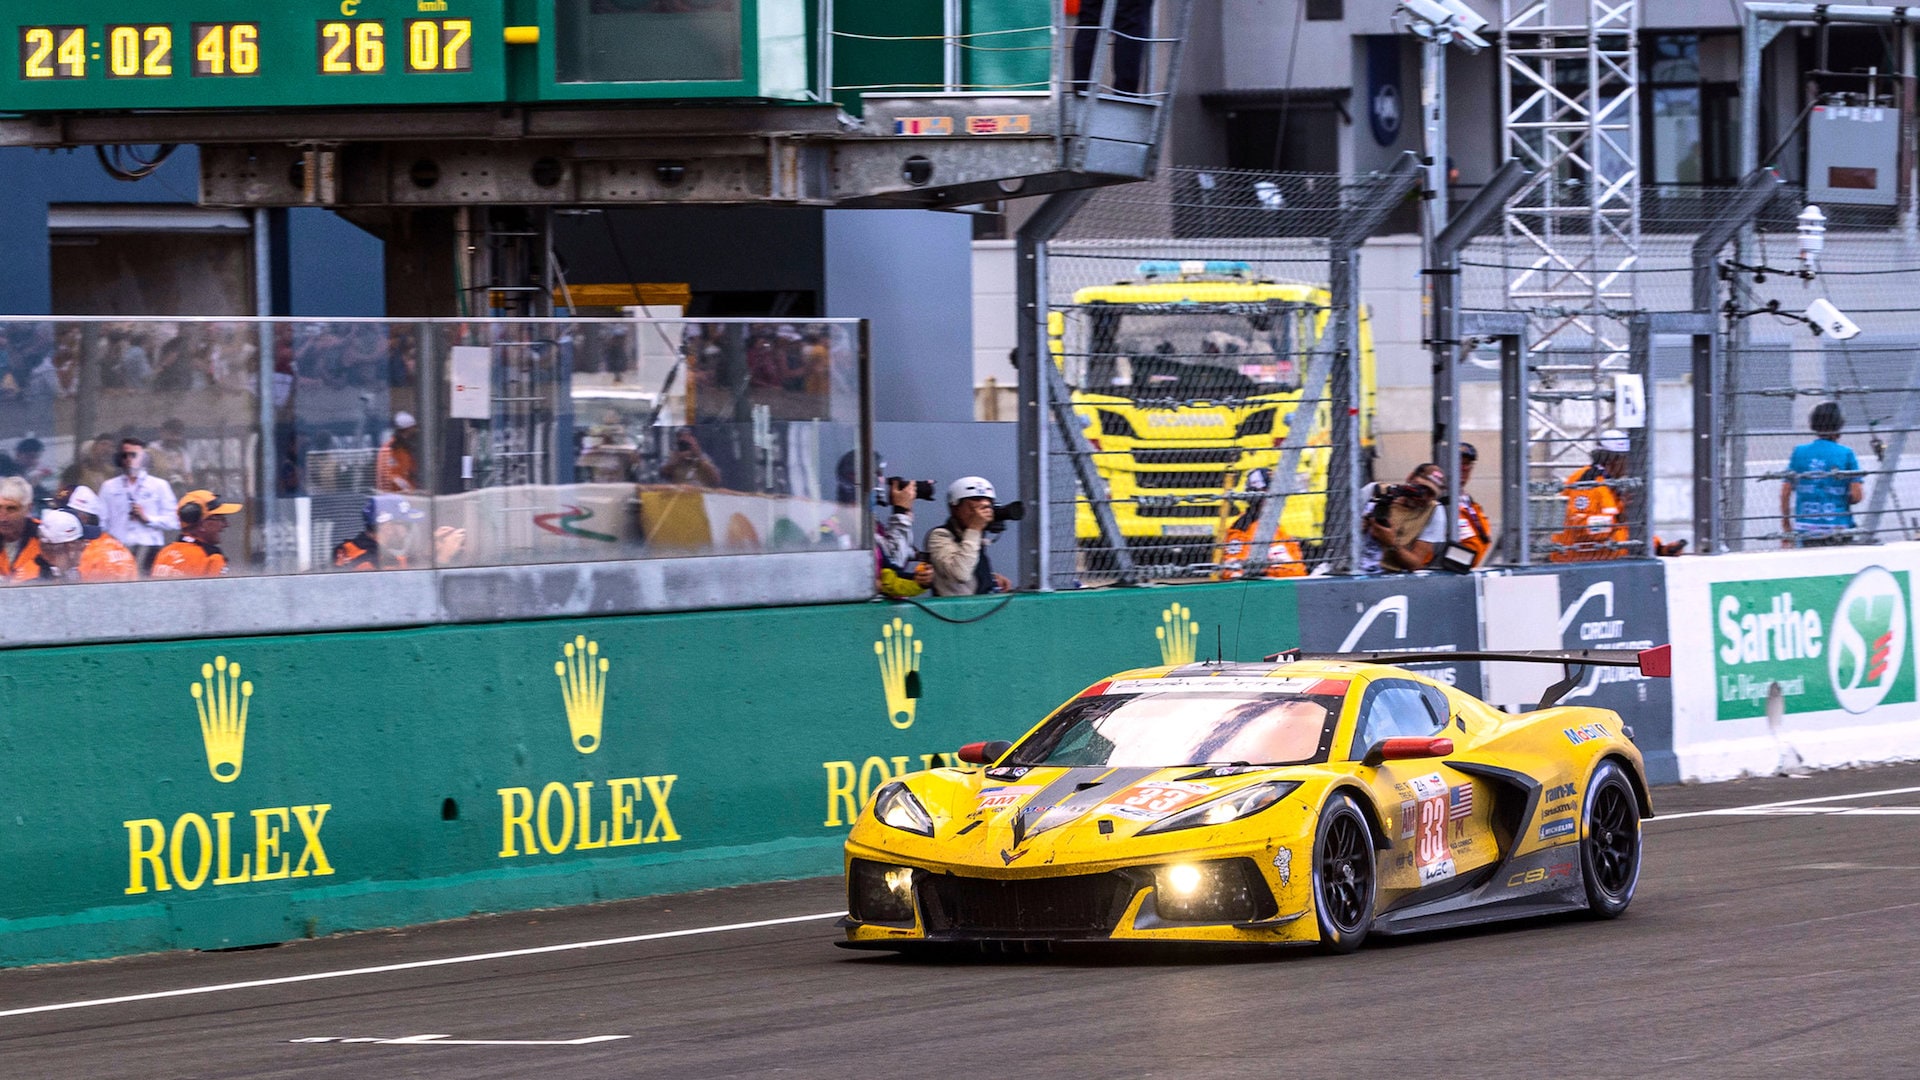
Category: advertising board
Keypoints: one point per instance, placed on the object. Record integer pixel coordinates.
(1792, 659)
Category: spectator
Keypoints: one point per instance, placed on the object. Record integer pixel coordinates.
(172, 461)
(1474, 534)
(1132, 25)
(27, 454)
(104, 559)
(203, 518)
(396, 468)
(139, 504)
(1596, 527)
(958, 547)
(1402, 526)
(56, 552)
(901, 573)
(1237, 541)
(1822, 484)
(18, 530)
(382, 544)
(93, 466)
(689, 464)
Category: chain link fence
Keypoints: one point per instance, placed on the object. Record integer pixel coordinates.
(1774, 371)
(1220, 374)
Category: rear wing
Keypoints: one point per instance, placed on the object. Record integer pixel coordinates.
(1654, 663)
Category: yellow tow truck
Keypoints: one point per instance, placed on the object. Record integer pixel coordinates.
(1187, 379)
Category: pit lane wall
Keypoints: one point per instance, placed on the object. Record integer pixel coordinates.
(224, 792)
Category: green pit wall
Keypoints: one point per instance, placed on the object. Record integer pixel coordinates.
(773, 726)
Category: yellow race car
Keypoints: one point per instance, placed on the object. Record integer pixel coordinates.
(1301, 801)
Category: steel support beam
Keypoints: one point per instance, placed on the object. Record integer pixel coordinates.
(1039, 387)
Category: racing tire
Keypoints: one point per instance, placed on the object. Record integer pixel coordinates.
(1343, 876)
(1610, 843)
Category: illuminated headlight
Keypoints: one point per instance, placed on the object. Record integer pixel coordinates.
(1243, 803)
(878, 893)
(895, 805)
(1225, 890)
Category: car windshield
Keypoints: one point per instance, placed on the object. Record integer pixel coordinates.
(1159, 729)
(1227, 350)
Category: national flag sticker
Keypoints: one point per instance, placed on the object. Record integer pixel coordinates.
(923, 125)
(1016, 124)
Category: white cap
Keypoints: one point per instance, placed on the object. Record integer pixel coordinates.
(59, 527)
(1613, 441)
(402, 420)
(969, 487)
(87, 501)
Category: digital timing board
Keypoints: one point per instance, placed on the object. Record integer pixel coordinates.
(114, 55)
(85, 55)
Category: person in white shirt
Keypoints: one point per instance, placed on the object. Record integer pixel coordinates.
(140, 507)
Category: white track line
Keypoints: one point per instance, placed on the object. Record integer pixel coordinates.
(1737, 811)
(578, 945)
(416, 964)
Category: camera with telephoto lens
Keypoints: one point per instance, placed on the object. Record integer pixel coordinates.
(922, 490)
(1013, 511)
(1385, 495)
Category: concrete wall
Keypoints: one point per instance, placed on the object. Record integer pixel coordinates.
(908, 272)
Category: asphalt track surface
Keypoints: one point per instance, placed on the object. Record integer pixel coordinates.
(1782, 941)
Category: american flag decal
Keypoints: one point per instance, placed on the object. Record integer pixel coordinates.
(1459, 802)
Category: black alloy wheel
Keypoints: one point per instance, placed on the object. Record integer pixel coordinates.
(1343, 875)
(1610, 852)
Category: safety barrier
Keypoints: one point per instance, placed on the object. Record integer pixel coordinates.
(230, 791)
(226, 792)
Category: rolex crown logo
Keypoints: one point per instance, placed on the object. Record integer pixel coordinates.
(1177, 634)
(583, 686)
(222, 700)
(899, 657)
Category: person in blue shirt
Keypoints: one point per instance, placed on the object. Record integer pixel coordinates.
(1823, 483)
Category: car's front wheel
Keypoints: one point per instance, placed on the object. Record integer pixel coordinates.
(1610, 850)
(1343, 875)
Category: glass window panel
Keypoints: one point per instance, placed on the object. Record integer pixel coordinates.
(648, 41)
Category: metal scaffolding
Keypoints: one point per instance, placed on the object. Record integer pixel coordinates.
(1572, 233)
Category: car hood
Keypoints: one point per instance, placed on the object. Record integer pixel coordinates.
(1076, 814)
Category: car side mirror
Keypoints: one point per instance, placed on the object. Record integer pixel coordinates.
(1406, 749)
(984, 753)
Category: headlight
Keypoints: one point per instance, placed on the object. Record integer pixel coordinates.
(894, 805)
(877, 893)
(1115, 425)
(1260, 423)
(1243, 803)
(1228, 890)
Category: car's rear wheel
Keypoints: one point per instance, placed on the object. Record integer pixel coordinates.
(1610, 851)
(1343, 875)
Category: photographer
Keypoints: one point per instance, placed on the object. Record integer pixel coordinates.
(689, 463)
(900, 572)
(958, 548)
(1402, 525)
